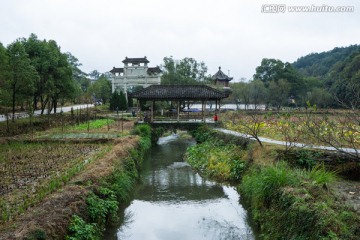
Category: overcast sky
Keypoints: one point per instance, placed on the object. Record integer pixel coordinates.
(233, 34)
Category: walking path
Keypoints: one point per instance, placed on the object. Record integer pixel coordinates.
(38, 112)
(283, 143)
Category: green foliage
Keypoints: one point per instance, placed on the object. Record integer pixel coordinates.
(274, 70)
(237, 169)
(101, 89)
(216, 160)
(118, 101)
(202, 134)
(332, 72)
(156, 134)
(102, 205)
(345, 78)
(321, 64)
(21, 78)
(38, 234)
(80, 230)
(257, 92)
(55, 80)
(262, 185)
(186, 71)
(143, 130)
(99, 123)
(292, 204)
(122, 184)
(306, 158)
(319, 175)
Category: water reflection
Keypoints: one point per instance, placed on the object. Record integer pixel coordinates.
(174, 202)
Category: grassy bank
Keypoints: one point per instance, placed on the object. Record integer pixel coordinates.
(110, 191)
(285, 201)
(92, 181)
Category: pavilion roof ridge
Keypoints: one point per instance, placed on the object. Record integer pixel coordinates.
(179, 92)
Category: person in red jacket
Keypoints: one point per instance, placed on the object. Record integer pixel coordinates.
(216, 118)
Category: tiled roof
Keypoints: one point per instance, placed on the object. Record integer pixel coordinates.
(220, 76)
(135, 60)
(179, 92)
(152, 70)
(117, 70)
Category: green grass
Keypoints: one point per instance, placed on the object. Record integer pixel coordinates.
(95, 124)
(290, 203)
(82, 135)
(216, 160)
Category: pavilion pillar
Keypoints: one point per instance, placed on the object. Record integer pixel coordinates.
(219, 109)
(152, 111)
(178, 111)
(202, 111)
(138, 117)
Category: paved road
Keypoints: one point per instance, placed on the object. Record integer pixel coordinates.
(64, 109)
(268, 140)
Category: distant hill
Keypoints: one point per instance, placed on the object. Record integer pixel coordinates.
(320, 65)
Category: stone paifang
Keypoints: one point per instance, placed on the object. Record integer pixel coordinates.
(134, 73)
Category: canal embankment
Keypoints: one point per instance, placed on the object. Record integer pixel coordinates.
(289, 195)
(89, 198)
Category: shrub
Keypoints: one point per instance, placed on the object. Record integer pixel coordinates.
(261, 185)
(81, 230)
(292, 204)
(102, 205)
(213, 159)
(143, 130)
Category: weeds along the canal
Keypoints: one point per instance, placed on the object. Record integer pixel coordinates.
(105, 197)
(285, 201)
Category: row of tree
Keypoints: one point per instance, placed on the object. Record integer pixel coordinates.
(36, 74)
(329, 82)
(279, 84)
(329, 79)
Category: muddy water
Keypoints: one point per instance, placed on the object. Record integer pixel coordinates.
(174, 202)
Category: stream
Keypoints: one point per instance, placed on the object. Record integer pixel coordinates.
(174, 202)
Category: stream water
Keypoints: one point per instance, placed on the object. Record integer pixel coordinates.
(174, 202)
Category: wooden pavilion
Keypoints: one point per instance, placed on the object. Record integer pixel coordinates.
(221, 78)
(178, 94)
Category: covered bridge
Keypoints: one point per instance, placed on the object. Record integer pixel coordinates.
(178, 94)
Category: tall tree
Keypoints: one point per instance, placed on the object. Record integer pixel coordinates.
(122, 102)
(278, 93)
(101, 89)
(274, 70)
(269, 70)
(118, 101)
(258, 93)
(94, 75)
(20, 81)
(44, 57)
(241, 93)
(55, 73)
(185, 71)
(346, 78)
(65, 87)
(4, 73)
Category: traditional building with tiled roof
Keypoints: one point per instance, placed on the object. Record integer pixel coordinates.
(134, 73)
(221, 78)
